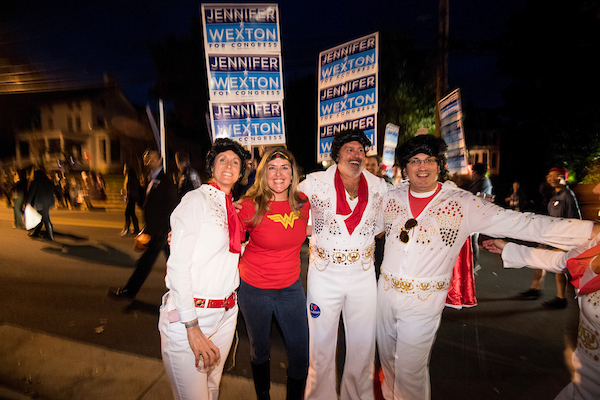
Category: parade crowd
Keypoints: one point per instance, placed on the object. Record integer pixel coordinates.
(233, 243)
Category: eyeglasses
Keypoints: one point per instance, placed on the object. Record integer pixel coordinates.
(411, 223)
(427, 161)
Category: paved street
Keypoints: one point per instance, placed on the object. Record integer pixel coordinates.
(62, 338)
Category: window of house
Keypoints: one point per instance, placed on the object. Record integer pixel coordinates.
(115, 150)
(50, 123)
(78, 124)
(494, 160)
(24, 149)
(54, 146)
(100, 122)
(103, 150)
(70, 123)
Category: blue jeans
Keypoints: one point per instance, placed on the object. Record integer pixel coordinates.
(289, 307)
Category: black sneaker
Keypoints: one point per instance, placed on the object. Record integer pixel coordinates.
(555, 304)
(531, 294)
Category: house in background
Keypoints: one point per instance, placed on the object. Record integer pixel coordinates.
(84, 129)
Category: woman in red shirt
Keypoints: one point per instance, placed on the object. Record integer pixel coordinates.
(275, 214)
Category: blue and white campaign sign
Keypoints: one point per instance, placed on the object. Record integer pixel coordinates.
(367, 124)
(243, 77)
(450, 109)
(349, 60)
(241, 28)
(348, 78)
(250, 123)
(389, 148)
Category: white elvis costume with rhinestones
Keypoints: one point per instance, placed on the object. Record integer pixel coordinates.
(586, 358)
(341, 279)
(200, 266)
(415, 276)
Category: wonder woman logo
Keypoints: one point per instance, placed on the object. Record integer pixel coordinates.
(285, 219)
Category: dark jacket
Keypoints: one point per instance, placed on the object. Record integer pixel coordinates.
(41, 191)
(158, 205)
(564, 205)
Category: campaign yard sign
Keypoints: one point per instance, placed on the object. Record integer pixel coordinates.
(347, 91)
(450, 109)
(251, 123)
(245, 77)
(241, 28)
(389, 148)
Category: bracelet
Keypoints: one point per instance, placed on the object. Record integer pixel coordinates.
(191, 324)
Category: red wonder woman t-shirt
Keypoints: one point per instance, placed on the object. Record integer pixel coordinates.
(272, 256)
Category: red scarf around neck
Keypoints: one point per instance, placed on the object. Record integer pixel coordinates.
(233, 220)
(578, 265)
(343, 208)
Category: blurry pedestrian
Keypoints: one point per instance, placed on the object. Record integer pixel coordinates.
(19, 194)
(132, 197)
(41, 197)
(275, 213)
(480, 186)
(159, 201)
(101, 186)
(563, 204)
(199, 312)
(187, 178)
(87, 185)
(517, 200)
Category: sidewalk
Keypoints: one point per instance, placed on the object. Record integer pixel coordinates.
(40, 366)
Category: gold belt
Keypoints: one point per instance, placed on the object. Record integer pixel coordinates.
(416, 285)
(321, 257)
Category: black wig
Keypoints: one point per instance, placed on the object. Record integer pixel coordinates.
(224, 144)
(345, 136)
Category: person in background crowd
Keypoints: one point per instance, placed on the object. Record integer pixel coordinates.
(85, 190)
(275, 214)
(159, 201)
(480, 186)
(187, 178)
(101, 186)
(517, 200)
(582, 265)
(41, 197)
(562, 204)
(19, 194)
(247, 180)
(345, 204)
(133, 194)
(199, 312)
(372, 165)
(426, 224)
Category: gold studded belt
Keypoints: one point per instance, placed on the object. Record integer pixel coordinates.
(417, 285)
(321, 257)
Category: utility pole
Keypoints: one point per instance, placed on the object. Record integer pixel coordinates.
(442, 62)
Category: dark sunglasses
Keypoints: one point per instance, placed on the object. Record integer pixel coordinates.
(411, 223)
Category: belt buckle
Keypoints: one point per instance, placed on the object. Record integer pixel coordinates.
(229, 302)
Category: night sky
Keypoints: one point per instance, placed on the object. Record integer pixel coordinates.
(88, 38)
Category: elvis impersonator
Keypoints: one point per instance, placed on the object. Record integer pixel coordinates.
(345, 203)
(426, 224)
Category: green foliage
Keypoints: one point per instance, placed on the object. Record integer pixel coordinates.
(406, 87)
